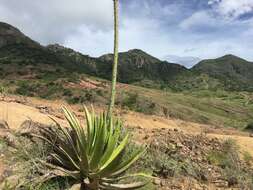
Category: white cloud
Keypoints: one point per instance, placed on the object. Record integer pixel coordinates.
(199, 19)
(232, 9)
(53, 20)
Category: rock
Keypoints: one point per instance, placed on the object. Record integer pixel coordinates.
(10, 140)
(232, 181)
(4, 125)
(29, 127)
(6, 173)
(221, 183)
(163, 183)
(157, 181)
(75, 187)
(146, 137)
(251, 134)
(180, 145)
(176, 130)
(11, 182)
(43, 109)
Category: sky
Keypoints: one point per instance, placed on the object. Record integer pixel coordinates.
(197, 29)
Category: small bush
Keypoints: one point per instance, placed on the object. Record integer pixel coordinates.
(249, 127)
(247, 158)
(226, 157)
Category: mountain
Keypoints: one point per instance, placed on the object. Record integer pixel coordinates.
(30, 59)
(77, 61)
(23, 58)
(10, 35)
(136, 65)
(187, 61)
(234, 72)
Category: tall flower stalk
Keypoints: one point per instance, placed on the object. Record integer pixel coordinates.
(94, 156)
(115, 60)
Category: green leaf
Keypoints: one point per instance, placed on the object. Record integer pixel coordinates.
(109, 164)
(128, 186)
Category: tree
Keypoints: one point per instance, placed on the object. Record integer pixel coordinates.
(115, 60)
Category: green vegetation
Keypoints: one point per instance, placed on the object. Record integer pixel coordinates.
(34, 163)
(134, 102)
(21, 57)
(233, 72)
(228, 159)
(92, 158)
(247, 158)
(249, 127)
(218, 108)
(198, 95)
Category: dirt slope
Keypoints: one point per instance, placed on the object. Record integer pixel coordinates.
(16, 113)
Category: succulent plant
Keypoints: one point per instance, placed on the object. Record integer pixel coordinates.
(92, 155)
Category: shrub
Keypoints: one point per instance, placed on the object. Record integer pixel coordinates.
(247, 157)
(228, 158)
(249, 127)
(130, 101)
(92, 157)
(2, 90)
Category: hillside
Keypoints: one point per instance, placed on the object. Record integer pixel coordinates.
(198, 121)
(136, 65)
(23, 58)
(27, 57)
(234, 72)
(57, 72)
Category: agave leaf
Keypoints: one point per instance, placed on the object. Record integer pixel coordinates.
(112, 142)
(70, 141)
(111, 162)
(73, 174)
(81, 138)
(99, 145)
(128, 186)
(68, 156)
(111, 180)
(89, 123)
(93, 130)
(75, 125)
(116, 152)
(125, 165)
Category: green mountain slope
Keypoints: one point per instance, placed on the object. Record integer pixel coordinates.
(235, 73)
(136, 65)
(21, 57)
(56, 72)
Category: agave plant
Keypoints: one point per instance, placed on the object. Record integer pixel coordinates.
(93, 155)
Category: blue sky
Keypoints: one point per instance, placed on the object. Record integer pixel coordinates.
(163, 28)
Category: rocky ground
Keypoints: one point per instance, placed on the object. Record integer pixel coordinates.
(182, 155)
(195, 157)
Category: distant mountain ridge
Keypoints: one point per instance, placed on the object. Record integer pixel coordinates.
(21, 57)
(236, 73)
